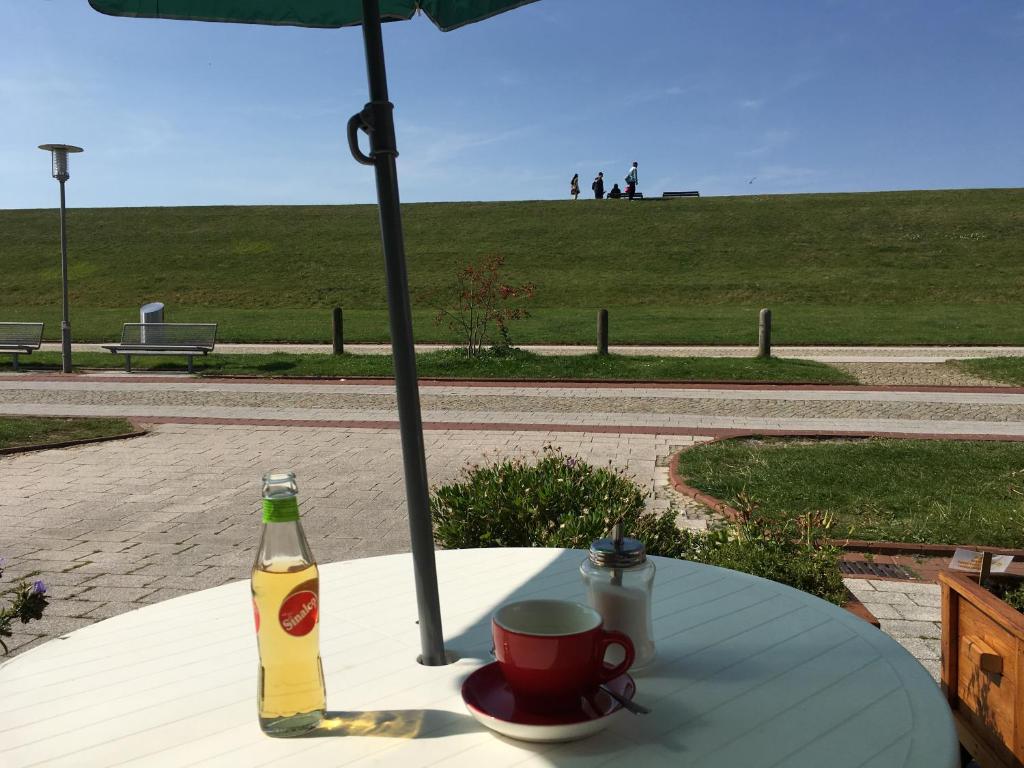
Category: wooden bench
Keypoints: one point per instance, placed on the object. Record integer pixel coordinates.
(188, 339)
(694, 193)
(624, 196)
(20, 339)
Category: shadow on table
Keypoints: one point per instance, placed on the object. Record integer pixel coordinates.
(395, 724)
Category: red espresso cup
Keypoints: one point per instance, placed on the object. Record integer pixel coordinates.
(551, 652)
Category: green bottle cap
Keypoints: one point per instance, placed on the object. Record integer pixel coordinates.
(280, 510)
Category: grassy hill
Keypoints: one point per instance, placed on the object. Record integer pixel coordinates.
(894, 267)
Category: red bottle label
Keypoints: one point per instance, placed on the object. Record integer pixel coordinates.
(299, 612)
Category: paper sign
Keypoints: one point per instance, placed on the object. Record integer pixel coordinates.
(969, 560)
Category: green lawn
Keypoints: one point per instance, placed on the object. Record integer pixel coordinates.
(949, 492)
(19, 431)
(894, 267)
(1006, 369)
(455, 364)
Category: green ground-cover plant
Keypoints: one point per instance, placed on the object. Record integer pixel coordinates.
(1015, 597)
(20, 431)
(786, 550)
(892, 267)
(489, 364)
(926, 491)
(27, 603)
(563, 501)
(1007, 587)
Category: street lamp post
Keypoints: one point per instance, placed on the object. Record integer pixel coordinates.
(59, 153)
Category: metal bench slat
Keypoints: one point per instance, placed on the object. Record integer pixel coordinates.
(159, 347)
(29, 335)
(169, 334)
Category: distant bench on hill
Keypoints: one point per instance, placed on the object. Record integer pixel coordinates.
(694, 193)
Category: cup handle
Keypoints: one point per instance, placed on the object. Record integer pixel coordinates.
(615, 638)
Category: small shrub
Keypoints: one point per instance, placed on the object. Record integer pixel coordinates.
(28, 604)
(558, 501)
(782, 550)
(562, 501)
(481, 304)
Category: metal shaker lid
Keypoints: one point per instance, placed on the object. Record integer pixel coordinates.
(607, 553)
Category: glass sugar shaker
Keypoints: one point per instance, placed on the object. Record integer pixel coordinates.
(620, 581)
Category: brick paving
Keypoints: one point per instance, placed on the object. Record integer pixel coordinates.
(676, 409)
(909, 611)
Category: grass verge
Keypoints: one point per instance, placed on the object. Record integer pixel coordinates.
(921, 491)
(23, 431)
(455, 364)
(1006, 369)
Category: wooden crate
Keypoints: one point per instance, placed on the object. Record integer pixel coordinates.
(982, 664)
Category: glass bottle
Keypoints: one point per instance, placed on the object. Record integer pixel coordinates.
(286, 603)
(619, 580)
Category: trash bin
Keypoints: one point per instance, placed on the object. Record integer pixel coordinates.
(150, 313)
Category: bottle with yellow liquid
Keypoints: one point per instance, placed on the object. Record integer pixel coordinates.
(286, 606)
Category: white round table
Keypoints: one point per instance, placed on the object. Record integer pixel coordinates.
(749, 673)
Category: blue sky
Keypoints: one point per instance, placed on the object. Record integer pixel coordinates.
(798, 96)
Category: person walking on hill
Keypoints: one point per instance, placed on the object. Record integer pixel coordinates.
(574, 186)
(631, 181)
(598, 186)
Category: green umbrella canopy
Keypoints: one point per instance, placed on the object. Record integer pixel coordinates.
(446, 14)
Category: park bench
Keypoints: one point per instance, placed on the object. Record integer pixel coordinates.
(624, 196)
(188, 339)
(20, 339)
(694, 193)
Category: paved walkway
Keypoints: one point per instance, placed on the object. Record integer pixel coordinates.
(116, 525)
(910, 611)
(912, 374)
(627, 409)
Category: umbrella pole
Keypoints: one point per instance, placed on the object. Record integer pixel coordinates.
(377, 120)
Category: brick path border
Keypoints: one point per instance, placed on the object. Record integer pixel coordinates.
(71, 443)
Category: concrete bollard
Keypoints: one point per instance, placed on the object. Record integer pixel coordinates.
(764, 334)
(602, 332)
(337, 335)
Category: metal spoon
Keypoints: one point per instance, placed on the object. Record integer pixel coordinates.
(632, 706)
